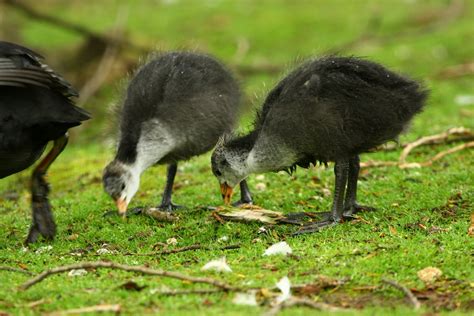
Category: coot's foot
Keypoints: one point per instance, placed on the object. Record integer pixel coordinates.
(242, 202)
(315, 227)
(169, 207)
(356, 208)
(43, 222)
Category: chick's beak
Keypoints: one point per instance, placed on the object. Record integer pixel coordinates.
(121, 205)
(227, 192)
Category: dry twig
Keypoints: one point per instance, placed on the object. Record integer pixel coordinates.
(297, 301)
(412, 298)
(456, 71)
(186, 292)
(110, 265)
(182, 249)
(106, 63)
(11, 269)
(111, 308)
(36, 15)
(460, 133)
(435, 139)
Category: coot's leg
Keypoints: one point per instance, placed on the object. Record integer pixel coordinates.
(166, 204)
(43, 222)
(245, 195)
(350, 204)
(341, 170)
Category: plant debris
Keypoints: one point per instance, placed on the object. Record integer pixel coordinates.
(219, 265)
(281, 248)
(429, 274)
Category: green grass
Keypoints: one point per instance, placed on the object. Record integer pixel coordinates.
(388, 243)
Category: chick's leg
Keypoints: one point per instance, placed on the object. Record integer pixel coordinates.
(245, 195)
(341, 170)
(166, 204)
(351, 206)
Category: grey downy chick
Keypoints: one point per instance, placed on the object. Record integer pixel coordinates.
(176, 106)
(327, 110)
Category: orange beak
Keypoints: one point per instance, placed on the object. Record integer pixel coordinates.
(227, 192)
(121, 205)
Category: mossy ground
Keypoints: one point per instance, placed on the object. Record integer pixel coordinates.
(422, 214)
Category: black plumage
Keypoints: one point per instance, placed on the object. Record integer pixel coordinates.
(35, 108)
(176, 106)
(328, 109)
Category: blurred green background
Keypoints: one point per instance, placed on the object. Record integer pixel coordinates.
(97, 45)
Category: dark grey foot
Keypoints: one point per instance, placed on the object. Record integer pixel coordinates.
(169, 207)
(356, 208)
(245, 195)
(130, 212)
(241, 202)
(315, 227)
(43, 221)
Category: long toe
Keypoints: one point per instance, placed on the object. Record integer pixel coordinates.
(33, 235)
(169, 207)
(241, 202)
(314, 227)
(356, 208)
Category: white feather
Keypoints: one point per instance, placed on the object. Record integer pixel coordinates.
(284, 286)
(281, 248)
(219, 265)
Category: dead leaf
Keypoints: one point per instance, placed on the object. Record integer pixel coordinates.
(249, 299)
(249, 213)
(429, 274)
(219, 265)
(132, 286)
(160, 215)
(280, 248)
(393, 231)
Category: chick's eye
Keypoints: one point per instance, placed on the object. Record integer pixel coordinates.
(122, 187)
(218, 173)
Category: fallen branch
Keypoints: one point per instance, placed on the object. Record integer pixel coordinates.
(106, 63)
(456, 71)
(435, 139)
(11, 269)
(166, 251)
(297, 301)
(112, 308)
(446, 16)
(36, 15)
(186, 292)
(408, 165)
(182, 249)
(412, 298)
(110, 265)
(460, 134)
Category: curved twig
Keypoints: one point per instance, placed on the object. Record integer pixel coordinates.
(110, 265)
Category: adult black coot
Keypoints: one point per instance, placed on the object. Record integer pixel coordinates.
(35, 108)
(328, 109)
(176, 107)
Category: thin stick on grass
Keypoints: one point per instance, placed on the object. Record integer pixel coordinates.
(111, 308)
(412, 298)
(402, 164)
(297, 301)
(187, 292)
(435, 139)
(111, 265)
(182, 249)
(12, 269)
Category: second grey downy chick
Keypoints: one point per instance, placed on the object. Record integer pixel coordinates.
(329, 110)
(176, 107)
